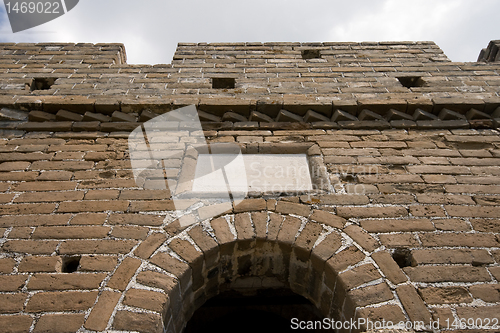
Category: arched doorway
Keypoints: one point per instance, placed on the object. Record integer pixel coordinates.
(241, 258)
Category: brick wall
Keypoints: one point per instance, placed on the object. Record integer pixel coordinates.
(268, 77)
(408, 230)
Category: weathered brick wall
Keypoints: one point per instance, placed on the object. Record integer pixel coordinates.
(268, 77)
(431, 195)
(408, 231)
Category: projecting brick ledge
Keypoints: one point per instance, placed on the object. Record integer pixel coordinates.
(126, 122)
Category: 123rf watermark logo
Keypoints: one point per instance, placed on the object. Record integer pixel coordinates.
(28, 14)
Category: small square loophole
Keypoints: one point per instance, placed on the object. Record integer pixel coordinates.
(311, 54)
(411, 81)
(70, 264)
(402, 257)
(42, 83)
(223, 82)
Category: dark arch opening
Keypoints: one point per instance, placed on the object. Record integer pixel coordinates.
(250, 265)
(265, 310)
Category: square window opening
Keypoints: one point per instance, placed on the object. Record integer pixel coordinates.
(311, 54)
(41, 83)
(223, 83)
(411, 81)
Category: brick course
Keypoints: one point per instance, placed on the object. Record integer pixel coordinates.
(121, 277)
(61, 301)
(141, 322)
(65, 281)
(59, 322)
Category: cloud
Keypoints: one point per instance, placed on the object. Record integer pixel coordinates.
(460, 28)
(151, 29)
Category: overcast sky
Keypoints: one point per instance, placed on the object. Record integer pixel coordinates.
(151, 29)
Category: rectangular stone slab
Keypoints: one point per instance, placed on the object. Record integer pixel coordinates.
(261, 173)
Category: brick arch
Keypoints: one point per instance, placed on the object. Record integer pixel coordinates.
(255, 250)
